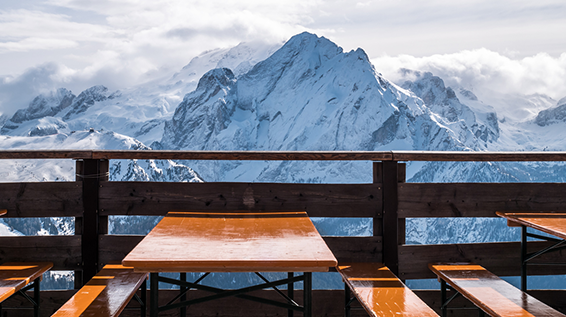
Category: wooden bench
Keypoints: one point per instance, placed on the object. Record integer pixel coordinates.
(380, 292)
(19, 277)
(107, 293)
(488, 292)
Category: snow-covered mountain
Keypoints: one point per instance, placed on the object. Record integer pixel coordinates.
(307, 94)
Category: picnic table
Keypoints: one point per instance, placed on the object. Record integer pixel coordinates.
(550, 223)
(243, 241)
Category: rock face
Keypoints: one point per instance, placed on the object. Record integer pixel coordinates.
(553, 115)
(45, 105)
(310, 95)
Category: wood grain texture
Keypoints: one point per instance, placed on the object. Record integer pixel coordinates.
(288, 155)
(328, 303)
(16, 275)
(380, 292)
(63, 251)
(478, 199)
(45, 154)
(58, 199)
(106, 294)
(319, 200)
(551, 223)
(493, 295)
(500, 258)
(186, 241)
(346, 249)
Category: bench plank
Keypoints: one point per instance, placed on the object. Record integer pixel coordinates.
(106, 294)
(380, 292)
(16, 275)
(490, 293)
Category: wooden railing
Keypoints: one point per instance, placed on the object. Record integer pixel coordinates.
(389, 200)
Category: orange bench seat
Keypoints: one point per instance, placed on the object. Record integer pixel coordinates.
(22, 276)
(488, 292)
(380, 292)
(106, 294)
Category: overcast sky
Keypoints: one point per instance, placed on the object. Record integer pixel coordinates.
(46, 44)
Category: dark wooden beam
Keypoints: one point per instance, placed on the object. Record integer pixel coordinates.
(500, 258)
(478, 199)
(46, 199)
(288, 155)
(390, 216)
(318, 200)
(63, 251)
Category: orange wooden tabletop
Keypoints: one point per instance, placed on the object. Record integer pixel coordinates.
(489, 292)
(382, 292)
(186, 241)
(551, 223)
(16, 275)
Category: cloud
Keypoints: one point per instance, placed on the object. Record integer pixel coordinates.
(485, 71)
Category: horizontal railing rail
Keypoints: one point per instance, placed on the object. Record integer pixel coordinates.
(452, 156)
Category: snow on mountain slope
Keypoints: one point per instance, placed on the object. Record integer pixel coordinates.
(308, 95)
(139, 111)
(64, 170)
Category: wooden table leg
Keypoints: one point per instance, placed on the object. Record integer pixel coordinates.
(154, 295)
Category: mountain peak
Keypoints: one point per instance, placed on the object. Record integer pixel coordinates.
(216, 77)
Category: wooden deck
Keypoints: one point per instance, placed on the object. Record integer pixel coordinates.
(90, 200)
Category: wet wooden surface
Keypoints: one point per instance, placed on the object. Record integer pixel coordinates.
(16, 275)
(106, 294)
(551, 223)
(232, 242)
(380, 292)
(490, 293)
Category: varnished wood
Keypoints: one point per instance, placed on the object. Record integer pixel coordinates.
(477, 199)
(63, 251)
(501, 258)
(16, 275)
(345, 249)
(106, 294)
(380, 292)
(232, 242)
(45, 199)
(490, 293)
(3, 212)
(551, 223)
(319, 200)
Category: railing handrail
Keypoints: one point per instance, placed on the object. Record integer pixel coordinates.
(447, 156)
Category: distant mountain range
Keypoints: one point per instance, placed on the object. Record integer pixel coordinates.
(305, 94)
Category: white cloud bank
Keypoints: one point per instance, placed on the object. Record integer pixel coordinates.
(485, 71)
(47, 44)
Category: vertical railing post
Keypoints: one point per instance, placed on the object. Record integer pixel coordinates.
(390, 177)
(91, 172)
